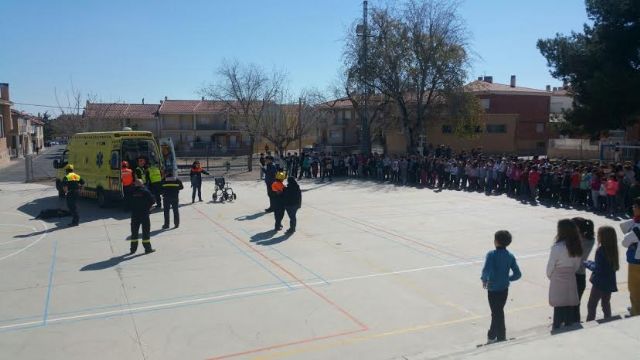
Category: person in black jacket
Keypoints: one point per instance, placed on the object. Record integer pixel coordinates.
(141, 202)
(171, 187)
(269, 177)
(292, 201)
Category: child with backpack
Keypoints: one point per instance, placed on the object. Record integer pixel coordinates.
(496, 278)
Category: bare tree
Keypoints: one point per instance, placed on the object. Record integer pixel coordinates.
(417, 55)
(247, 90)
(285, 122)
(380, 117)
(438, 41)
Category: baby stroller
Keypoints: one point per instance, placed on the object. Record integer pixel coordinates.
(222, 191)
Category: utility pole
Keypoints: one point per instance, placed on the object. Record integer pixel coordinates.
(299, 125)
(366, 138)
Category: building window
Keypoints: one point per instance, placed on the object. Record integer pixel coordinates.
(335, 136)
(496, 128)
(447, 129)
(540, 128)
(485, 103)
(115, 160)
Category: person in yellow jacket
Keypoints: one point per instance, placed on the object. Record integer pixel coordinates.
(155, 183)
(277, 189)
(71, 185)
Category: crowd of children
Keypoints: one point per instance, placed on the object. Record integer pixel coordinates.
(568, 260)
(607, 188)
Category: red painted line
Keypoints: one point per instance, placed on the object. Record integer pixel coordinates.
(393, 234)
(361, 325)
(299, 342)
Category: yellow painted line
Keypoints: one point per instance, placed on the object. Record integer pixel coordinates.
(412, 329)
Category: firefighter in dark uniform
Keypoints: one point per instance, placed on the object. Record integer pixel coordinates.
(71, 185)
(171, 187)
(141, 202)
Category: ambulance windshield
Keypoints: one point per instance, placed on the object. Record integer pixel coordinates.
(132, 150)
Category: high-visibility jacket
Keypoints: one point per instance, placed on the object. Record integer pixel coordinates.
(72, 181)
(141, 173)
(154, 174)
(127, 176)
(277, 186)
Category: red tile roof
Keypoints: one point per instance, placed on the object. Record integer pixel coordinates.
(192, 107)
(485, 87)
(121, 111)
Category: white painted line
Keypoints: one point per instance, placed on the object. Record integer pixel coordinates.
(248, 293)
(16, 225)
(45, 229)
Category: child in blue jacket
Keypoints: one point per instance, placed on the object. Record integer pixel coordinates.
(495, 278)
(604, 270)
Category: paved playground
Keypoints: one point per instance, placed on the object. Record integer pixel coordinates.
(374, 272)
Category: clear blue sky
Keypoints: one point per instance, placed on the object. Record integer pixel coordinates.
(126, 50)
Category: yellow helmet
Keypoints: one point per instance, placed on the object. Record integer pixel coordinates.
(280, 175)
(69, 167)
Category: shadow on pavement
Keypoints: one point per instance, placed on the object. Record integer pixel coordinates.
(59, 226)
(266, 235)
(567, 329)
(88, 209)
(275, 240)
(251, 217)
(105, 264)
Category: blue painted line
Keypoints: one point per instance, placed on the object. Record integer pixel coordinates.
(257, 262)
(344, 221)
(184, 297)
(283, 254)
(51, 271)
(125, 313)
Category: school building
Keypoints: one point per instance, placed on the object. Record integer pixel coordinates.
(515, 120)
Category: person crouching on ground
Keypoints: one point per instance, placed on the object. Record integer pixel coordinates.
(171, 187)
(292, 200)
(496, 278)
(196, 180)
(141, 202)
(277, 189)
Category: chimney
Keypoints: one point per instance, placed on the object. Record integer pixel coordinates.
(513, 81)
(488, 79)
(165, 98)
(4, 91)
(142, 101)
(548, 88)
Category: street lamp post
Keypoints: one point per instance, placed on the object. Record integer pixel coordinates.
(362, 30)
